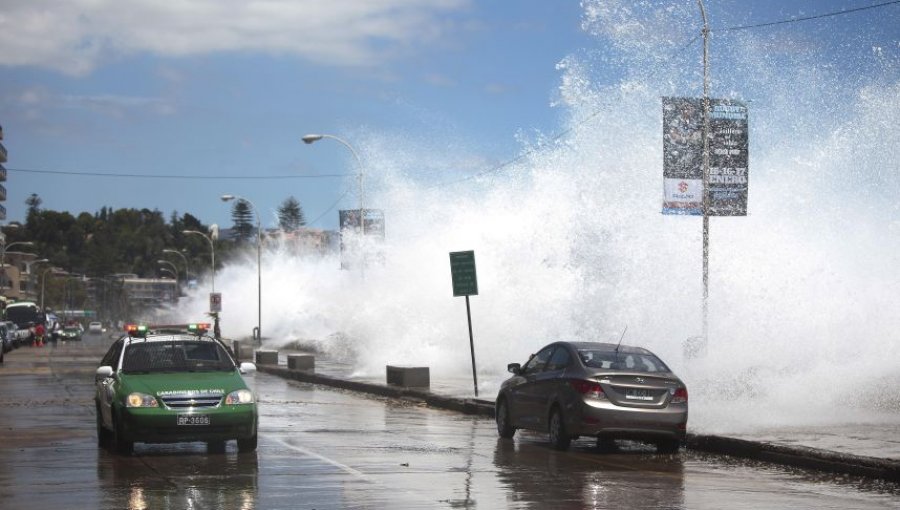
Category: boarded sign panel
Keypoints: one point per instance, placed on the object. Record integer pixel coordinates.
(462, 271)
(215, 302)
(683, 157)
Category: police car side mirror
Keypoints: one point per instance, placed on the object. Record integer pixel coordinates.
(103, 373)
(247, 367)
(514, 368)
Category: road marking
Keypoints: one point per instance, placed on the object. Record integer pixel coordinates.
(343, 467)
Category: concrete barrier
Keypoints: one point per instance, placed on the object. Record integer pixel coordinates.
(239, 348)
(301, 362)
(266, 357)
(408, 377)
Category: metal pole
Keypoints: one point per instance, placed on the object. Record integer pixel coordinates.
(258, 277)
(705, 173)
(472, 346)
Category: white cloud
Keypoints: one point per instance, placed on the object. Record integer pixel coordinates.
(74, 36)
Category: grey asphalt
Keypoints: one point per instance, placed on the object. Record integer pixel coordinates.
(853, 447)
(324, 448)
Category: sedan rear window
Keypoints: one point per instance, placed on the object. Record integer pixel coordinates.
(631, 362)
(177, 356)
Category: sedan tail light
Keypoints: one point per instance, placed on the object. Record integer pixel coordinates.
(680, 396)
(588, 388)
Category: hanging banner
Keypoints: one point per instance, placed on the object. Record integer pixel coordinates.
(356, 250)
(683, 157)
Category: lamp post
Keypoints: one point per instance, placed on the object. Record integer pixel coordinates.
(173, 271)
(308, 139)
(3, 248)
(34, 263)
(227, 198)
(187, 267)
(212, 258)
(43, 281)
(212, 251)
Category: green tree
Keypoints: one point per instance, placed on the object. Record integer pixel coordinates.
(290, 215)
(242, 217)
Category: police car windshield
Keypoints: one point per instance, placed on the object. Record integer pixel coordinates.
(175, 356)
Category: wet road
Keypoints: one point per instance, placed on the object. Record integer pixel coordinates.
(321, 448)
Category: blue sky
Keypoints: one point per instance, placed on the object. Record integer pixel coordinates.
(226, 88)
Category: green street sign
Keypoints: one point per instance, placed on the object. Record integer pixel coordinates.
(462, 271)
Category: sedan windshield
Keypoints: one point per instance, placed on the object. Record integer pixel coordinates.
(175, 356)
(625, 361)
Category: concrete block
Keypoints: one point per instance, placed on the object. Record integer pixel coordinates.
(266, 357)
(410, 377)
(301, 362)
(239, 348)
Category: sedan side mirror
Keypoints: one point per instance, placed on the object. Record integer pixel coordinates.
(514, 368)
(103, 372)
(247, 367)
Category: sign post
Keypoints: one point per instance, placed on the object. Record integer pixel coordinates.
(465, 283)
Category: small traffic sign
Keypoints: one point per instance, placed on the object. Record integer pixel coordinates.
(462, 272)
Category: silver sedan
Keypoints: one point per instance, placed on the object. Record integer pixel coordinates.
(572, 389)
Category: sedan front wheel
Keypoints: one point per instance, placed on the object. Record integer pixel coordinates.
(504, 429)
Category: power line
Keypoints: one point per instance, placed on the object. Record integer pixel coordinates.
(326, 211)
(806, 18)
(165, 176)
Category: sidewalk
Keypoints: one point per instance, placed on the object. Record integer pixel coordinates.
(858, 449)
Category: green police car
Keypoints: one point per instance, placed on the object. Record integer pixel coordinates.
(171, 384)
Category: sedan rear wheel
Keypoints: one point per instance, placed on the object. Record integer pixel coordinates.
(503, 426)
(559, 438)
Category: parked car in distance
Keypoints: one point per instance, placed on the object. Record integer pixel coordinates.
(95, 327)
(573, 389)
(8, 339)
(70, 333)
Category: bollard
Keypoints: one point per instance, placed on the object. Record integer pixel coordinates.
(301, 362)
(266, 357)
(236, 349)
(415, 377)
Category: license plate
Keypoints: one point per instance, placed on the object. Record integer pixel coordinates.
(193, 419)
(637, 394)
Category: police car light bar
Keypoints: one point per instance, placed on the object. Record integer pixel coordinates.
(136, 330)
(199, 327)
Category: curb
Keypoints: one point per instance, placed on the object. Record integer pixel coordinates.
(794, 456)
(797, 456)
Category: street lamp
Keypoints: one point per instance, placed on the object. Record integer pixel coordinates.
(34, 263)
(3, 248)
(227, 198)
(212, 251)
(308, 139)
(187, 270)
(43, 281)
(174, 268)
(166, 269)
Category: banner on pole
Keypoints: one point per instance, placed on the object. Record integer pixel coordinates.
(357, 249)
(683, 157)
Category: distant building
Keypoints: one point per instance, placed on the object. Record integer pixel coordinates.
(306, 240)
(17, 278)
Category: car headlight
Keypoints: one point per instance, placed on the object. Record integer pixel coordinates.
(141, 400)
(239, 397)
